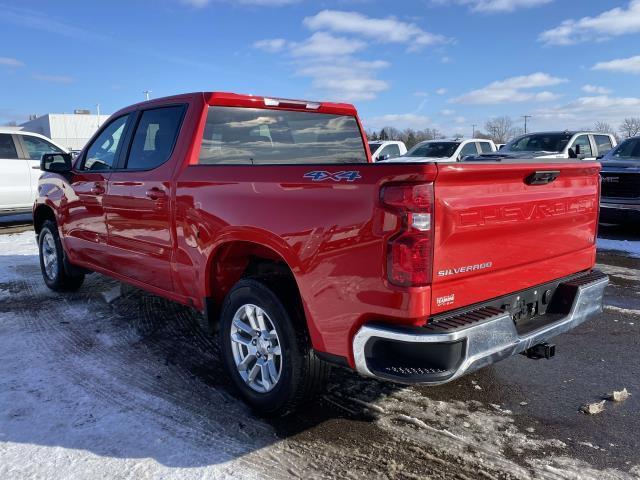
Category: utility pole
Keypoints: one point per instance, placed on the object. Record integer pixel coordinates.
(98, 110)
(473, 127)
(146, 94)
(525, 122)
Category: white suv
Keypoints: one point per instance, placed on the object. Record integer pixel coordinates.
(20, 154)
(446, 150)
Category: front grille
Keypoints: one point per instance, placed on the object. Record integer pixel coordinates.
(627, 185)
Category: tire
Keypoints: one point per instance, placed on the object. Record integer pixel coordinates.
(296, 374)
(52, 262)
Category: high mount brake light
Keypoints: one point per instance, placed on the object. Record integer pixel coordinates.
(410, 251)
(285, 102)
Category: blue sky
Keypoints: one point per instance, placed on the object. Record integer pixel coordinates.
(413, 63)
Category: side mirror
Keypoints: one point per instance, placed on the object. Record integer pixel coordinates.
(382, 158)
(56, 163)
(577, 149)
(599, 157)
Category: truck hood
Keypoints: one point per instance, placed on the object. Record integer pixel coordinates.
(627, 166)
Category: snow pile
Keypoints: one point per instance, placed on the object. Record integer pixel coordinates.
(627, 246)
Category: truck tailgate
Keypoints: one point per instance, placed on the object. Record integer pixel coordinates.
(499, 230)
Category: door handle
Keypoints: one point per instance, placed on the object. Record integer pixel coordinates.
(97, 189)
(542, 177)
(156, 193)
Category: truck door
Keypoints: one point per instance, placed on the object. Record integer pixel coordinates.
(15, 189)
(85, 228)
(138, 201)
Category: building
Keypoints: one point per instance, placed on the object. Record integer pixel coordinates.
(69, 130)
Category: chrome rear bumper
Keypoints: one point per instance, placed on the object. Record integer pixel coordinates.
(479, 338)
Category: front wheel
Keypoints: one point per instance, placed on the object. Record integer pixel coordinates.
(52, 261)
(266, 351)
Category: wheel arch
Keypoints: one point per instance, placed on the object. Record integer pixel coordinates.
(268, 261)
(42, 213)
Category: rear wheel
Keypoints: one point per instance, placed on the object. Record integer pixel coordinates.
(266, 351)
(52, 261)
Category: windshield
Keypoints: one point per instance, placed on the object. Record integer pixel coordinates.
(253, 136)
(627, 150)
(373, 147)
(539, 142)
(434, 150)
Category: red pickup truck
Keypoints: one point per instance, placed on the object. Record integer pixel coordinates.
(268, 215)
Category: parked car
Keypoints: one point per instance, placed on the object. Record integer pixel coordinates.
(20, 154)
(552, 145)
(620, 202)
(446, 150)
(269, 216)
(386, 149)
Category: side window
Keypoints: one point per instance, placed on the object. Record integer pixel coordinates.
(604, 143)
(469, 149)
(155, 137)
(101, 154)
(585, 146)
(392, 150)
(7, 147)
(485, 147)
(36, 147)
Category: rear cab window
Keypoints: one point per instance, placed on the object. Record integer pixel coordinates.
(603, 142)
(485, 147)
(256, 136)
(155, 137)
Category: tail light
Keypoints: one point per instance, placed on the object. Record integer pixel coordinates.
(410, 251)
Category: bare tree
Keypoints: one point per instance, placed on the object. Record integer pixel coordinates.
(630, 127)
(603, 127)
(499, 128)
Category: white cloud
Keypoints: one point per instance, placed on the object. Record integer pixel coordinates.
(588, 110)
(11, 62)
(511, 90)
(447, 111)
(345, 79)
(595, 89)
(625, 65)
(271, 45)
(400, 121)
(441, 91)
(615, 22)
(496, 6)
(322, 44)
(460, 120)
(420, 94)
(62, 79)
(384, 30)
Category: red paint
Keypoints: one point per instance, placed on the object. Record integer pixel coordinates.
(193, 239)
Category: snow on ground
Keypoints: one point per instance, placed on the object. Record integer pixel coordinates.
(111, 382)
(631, 247)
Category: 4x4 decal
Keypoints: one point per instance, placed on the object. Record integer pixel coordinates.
(321, 176)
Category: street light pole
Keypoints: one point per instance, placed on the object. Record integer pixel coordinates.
(525, 122)
(473, 133)
(146, 94)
